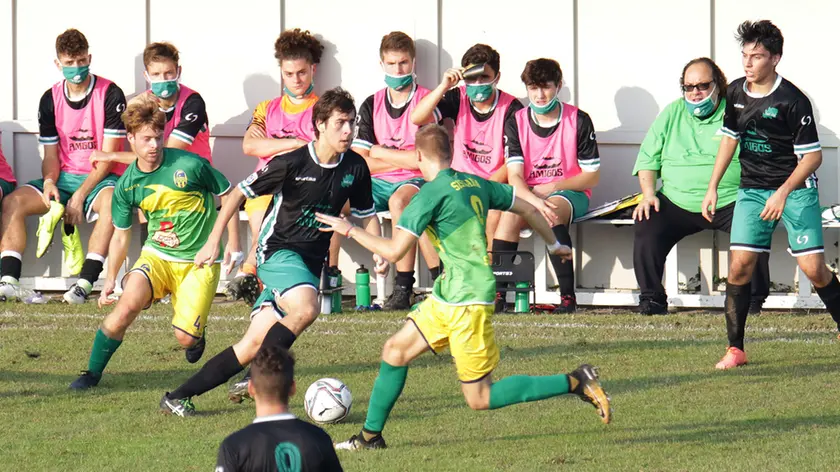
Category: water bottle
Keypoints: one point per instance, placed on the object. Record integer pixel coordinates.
(326, 298)
(522, 304)
(335, 282)
(362, 286)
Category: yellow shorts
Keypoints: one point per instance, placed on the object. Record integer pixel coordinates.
(257, 205)
(192, 289)
(466, 329)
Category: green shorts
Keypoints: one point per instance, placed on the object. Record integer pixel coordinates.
(5, 188)
(382, 190)
(578, 200)
(801, 218)
(68, 184)
(283, 271)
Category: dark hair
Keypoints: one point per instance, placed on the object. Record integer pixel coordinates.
(273, 372)
(158, 52)
(761, 32)
(71, 43)
(433, 140)
(332, 100)
(397, 41)
(718, 76)
(142, 111)
(297, 44)
(482, 53)
(542, 71)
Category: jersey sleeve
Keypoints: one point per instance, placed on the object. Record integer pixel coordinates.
(329, 459)
(501, 196)
(587, 146)
(227, 459)
(193, 119)
(420, 211)
(365, 137)
(514, 107)
(801, 121)
(120, 206)
(450, 104)
(513, 148)
(268, 180)
(361, 199)
(730, 113)
(258, 117)
(650, 152)
(47, 131)
(212, 179)
(114, 106)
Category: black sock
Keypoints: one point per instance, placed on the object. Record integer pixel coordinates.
(434, 272)
(91, 270)
(215, 372)
(11, 266)
(565, 271)
(830, 295)
(280, 335)
(736, 308)
(404, 279)
(69, 229)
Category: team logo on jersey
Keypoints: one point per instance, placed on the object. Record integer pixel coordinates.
(806, 120)
(347, 180)
(165, 236)
(770, 113)
(477, 150)
(253, 177)
(191, 117)
(755, 141)
(145, 268)
(82, 139)
(180, 178)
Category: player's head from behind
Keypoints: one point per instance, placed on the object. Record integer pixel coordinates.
(433, 149)
(761, 49)
(543, 79)
(702, 83)
(163, 71)
(299, 53)
(334, 119)
(272, 375)
(482, 87)
(396, 55)
(71, 56)
(144, 124)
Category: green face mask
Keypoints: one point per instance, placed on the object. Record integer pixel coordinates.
(399, 82)
(542, 110)
(76, 75)
(308, 91)
(165, 88)
(479, 92)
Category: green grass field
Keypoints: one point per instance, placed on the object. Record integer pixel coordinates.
(672, 410)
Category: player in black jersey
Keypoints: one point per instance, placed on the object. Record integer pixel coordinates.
(320, 177)
(276, 440)
(780, 151)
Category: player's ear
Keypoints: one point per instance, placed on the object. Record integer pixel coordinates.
(293, 389)
(251, 390)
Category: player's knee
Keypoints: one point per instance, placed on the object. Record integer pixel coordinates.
(117, 323)
(399, 201)
(478, 402)
(393, 354)
(817, 273)
(184, 339)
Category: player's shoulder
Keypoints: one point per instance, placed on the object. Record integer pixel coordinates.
(184, 158)
(194, 100)
(581, 115)
(791, 92)
(368, 102)
(353, 158)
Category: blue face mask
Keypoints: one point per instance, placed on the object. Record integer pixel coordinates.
(704, 108)
(76, 75)
(399, 82)
(547, 108)
(480, 92)
(308, 91)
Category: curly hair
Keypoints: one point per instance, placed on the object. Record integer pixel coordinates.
(143, 110)
(761, 32)
(542, 71)
(298, 44)
(71, 43)
(158, 52)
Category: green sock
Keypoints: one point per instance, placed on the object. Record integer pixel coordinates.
(525, 388)
(386, 389)
(103, 348)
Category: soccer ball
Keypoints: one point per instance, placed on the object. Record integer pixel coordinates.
(328, 401)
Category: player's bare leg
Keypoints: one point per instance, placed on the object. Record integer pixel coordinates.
(98, 243)
(19, 204)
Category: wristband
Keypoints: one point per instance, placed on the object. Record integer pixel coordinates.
(554, 246)
(49, 180)
(347, 234)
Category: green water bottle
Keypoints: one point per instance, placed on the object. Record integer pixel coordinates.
(362, 286)
(522, 304)
(335, 282)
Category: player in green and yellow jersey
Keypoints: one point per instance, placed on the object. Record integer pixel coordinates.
(452, 209)
(175, 190)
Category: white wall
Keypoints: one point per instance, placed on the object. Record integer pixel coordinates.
(621, 63)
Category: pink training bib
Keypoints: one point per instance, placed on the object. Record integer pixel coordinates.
(201, 143)
(279, 125)
(80, 132)
(478, 147)
(396, 133)
(554, 157)
(6, 170)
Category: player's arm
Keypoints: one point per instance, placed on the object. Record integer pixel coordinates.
(425, 111)
(391, 249)
(648, 164)
(726, 151)
(395, 158)
(775, 206)
(256, 141)
(121, 217)
(220, 186)
(536, 221)
(48, 138)
(227, 460)
(362, 207)
(365, 139)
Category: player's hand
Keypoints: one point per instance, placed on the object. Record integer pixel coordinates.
(257, 132)
(50, 193)
(75, 209)
(233, 257)
(709, 205)
(643, 208)
(451, 78)
(335, 224)
(380, 265)
(565, 252)
(105, 295)
(775, 206)
(547, 210)
(100, 156)
(207, 254)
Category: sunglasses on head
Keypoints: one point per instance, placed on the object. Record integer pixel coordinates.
(702, 86)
